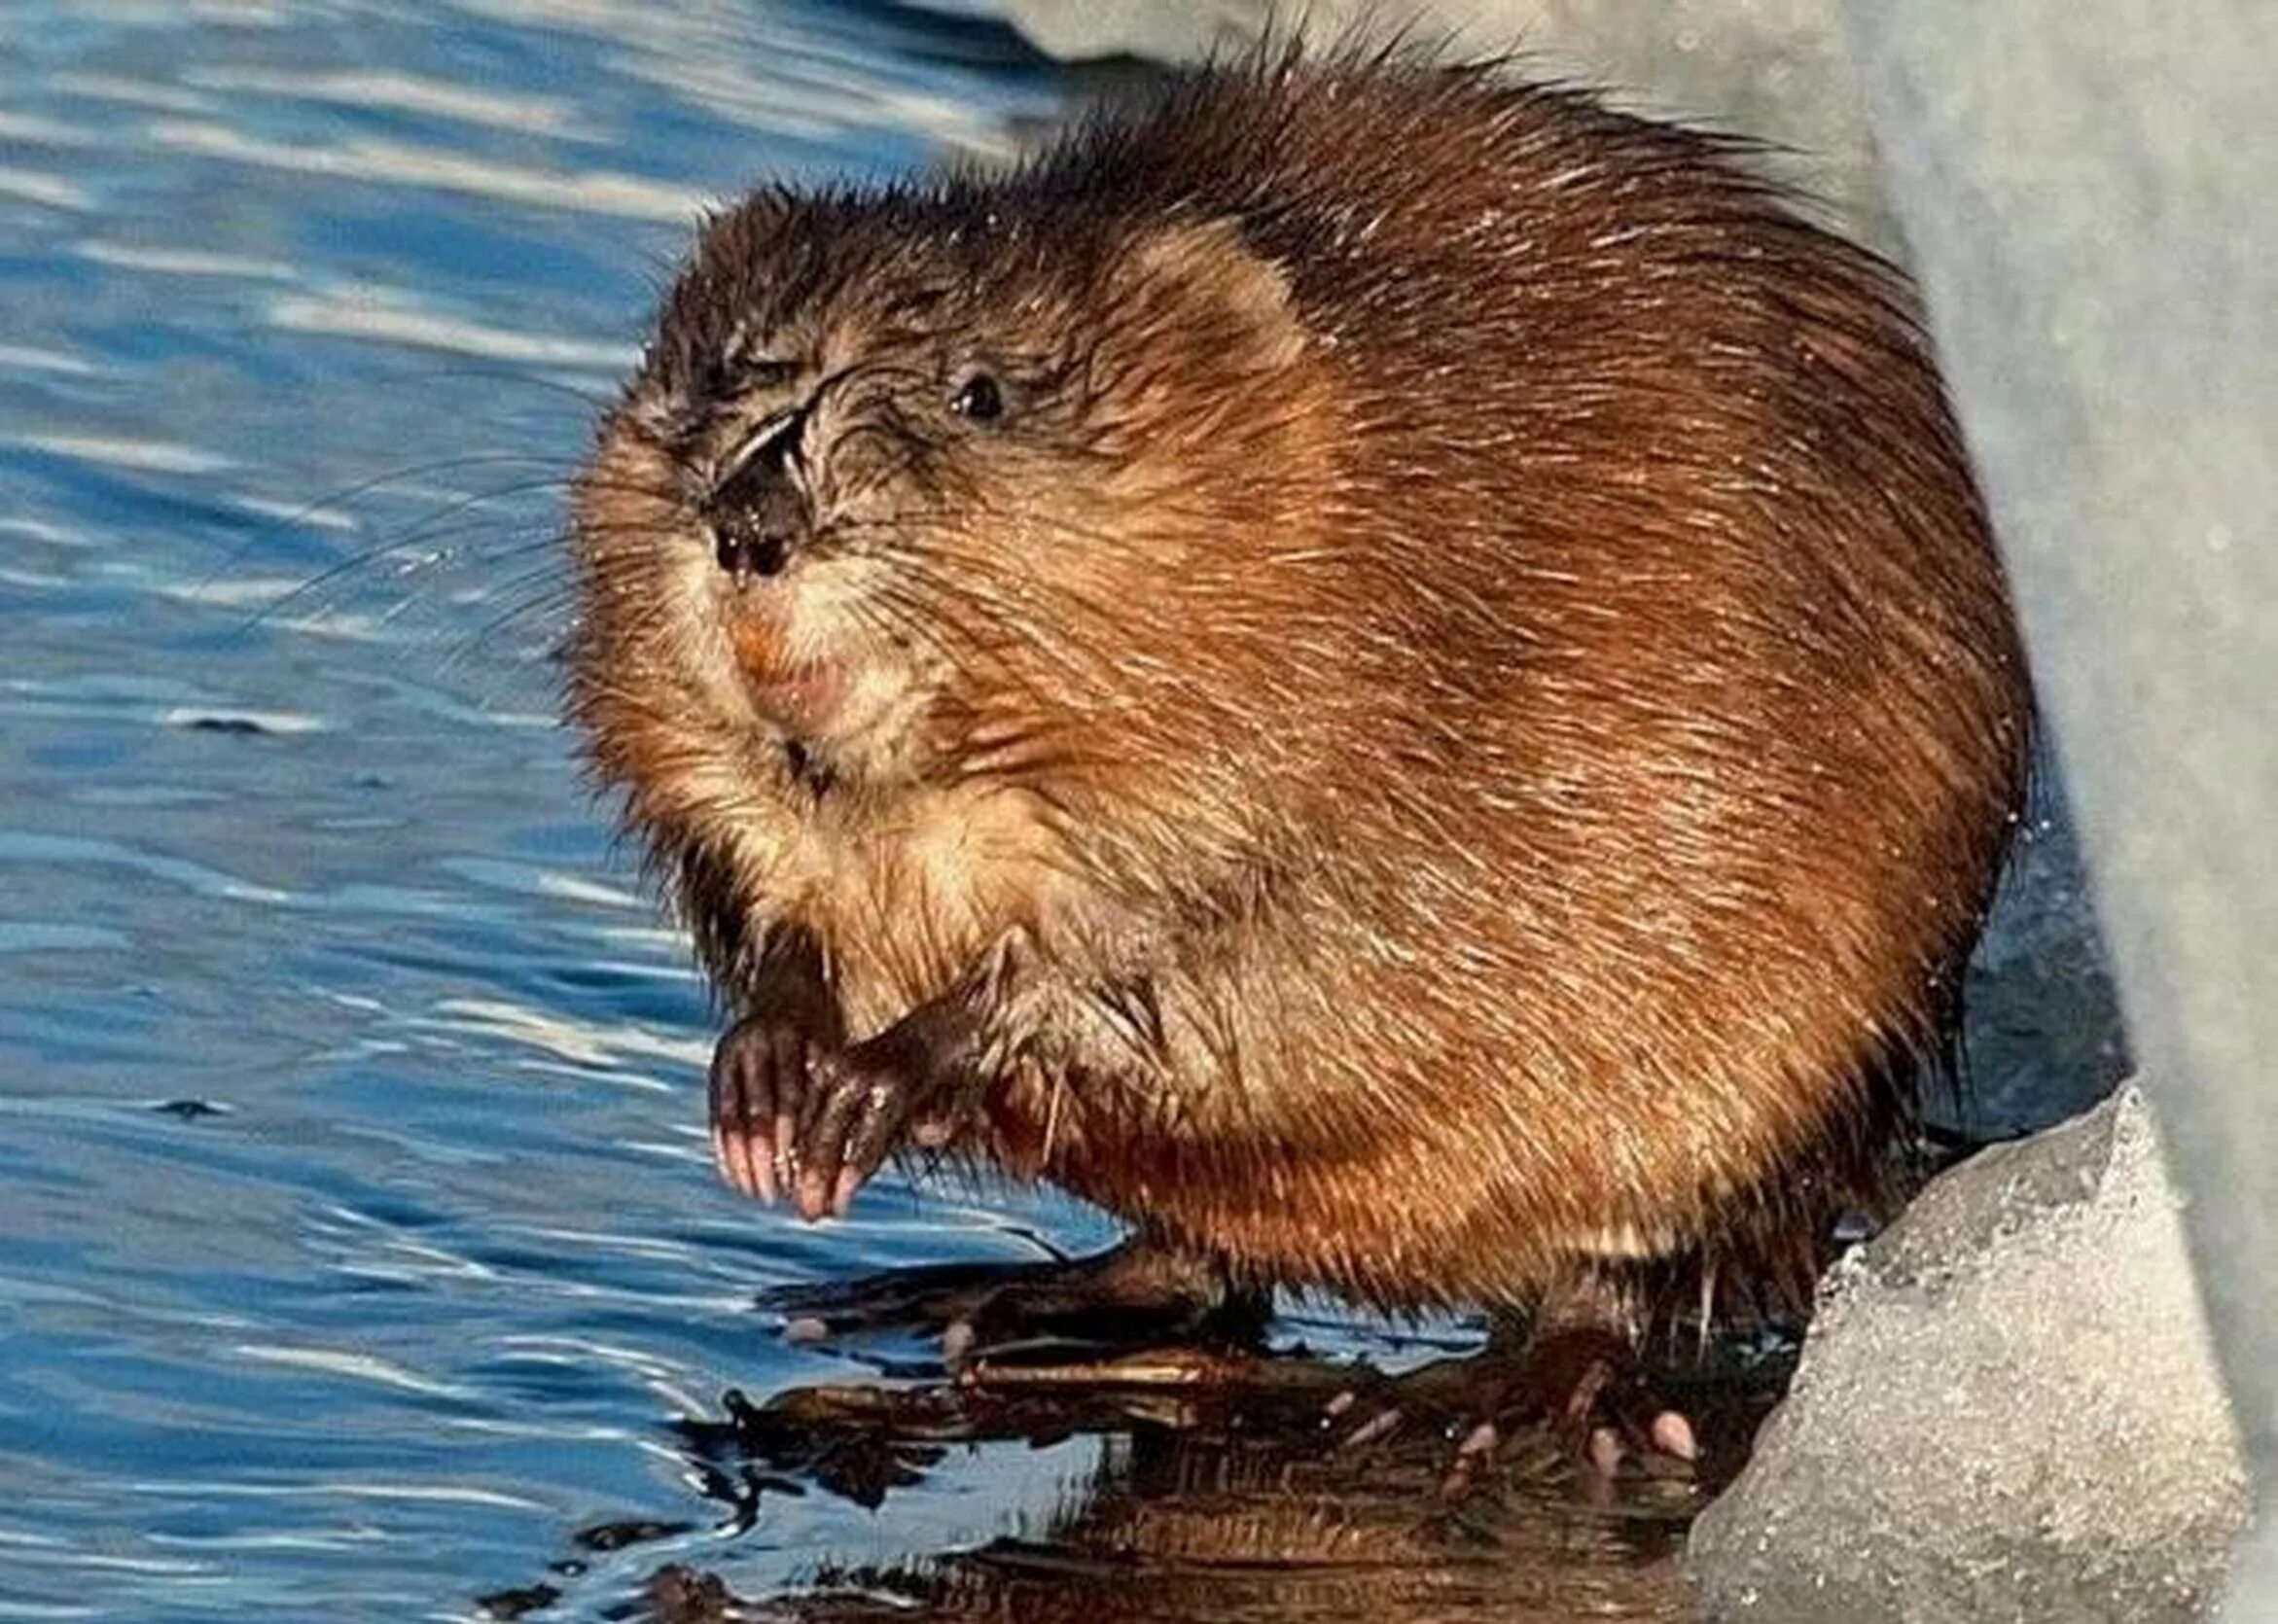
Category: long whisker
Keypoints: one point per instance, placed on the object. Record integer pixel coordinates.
(348, 493)
(597, 403)
(559, 597)
(427, 530)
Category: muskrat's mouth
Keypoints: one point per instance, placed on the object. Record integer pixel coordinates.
(803, 698)
(800, 694)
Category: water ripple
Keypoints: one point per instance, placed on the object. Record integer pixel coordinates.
(367, 313)
(582, 1042)
(398, 164)
(354, 1367)
(400, 92)
(140, 456)
(184, 262)
(196, 878)
(38, 186)
(28, 357)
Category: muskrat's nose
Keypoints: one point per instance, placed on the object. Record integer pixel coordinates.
(758, 517)
(744, 549)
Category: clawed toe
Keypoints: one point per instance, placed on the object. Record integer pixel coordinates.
(1581, 1389)
(756, 1088)
(795, 1118)
(1587, 1384)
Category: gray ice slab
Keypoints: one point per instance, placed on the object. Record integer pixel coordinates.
(2006, 1409)
(2088, 192)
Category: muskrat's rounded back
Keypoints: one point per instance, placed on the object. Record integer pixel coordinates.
(1641, 647)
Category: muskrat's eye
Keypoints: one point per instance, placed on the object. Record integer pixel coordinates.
(981, 398)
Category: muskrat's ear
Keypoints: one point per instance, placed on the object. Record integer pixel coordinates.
(1199, 283)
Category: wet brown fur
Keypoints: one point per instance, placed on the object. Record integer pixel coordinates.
(1459, 734)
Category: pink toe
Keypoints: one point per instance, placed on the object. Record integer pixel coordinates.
(1672, 1434)
(1605, 1451)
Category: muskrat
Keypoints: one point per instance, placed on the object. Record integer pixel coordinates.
(1394, 675)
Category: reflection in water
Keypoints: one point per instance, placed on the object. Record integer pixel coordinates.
(1219, 1488)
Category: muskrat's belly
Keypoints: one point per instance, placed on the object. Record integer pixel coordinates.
(1394, 1222)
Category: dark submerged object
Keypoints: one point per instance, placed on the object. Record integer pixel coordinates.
(1392, 674)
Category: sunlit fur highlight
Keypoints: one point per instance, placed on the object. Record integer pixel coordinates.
(1470, 699)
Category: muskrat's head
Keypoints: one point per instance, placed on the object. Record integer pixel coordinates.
(912, 485)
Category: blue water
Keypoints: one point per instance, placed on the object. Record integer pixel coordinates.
(358, 1241)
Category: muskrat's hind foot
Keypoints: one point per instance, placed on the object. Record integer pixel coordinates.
(1136, 1294)
(1587, 1383)
(1573, 1369)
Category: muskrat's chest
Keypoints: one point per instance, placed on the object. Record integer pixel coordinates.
(905, 900)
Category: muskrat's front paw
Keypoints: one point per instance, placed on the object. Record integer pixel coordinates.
(858, 1107)
(759, 1082)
